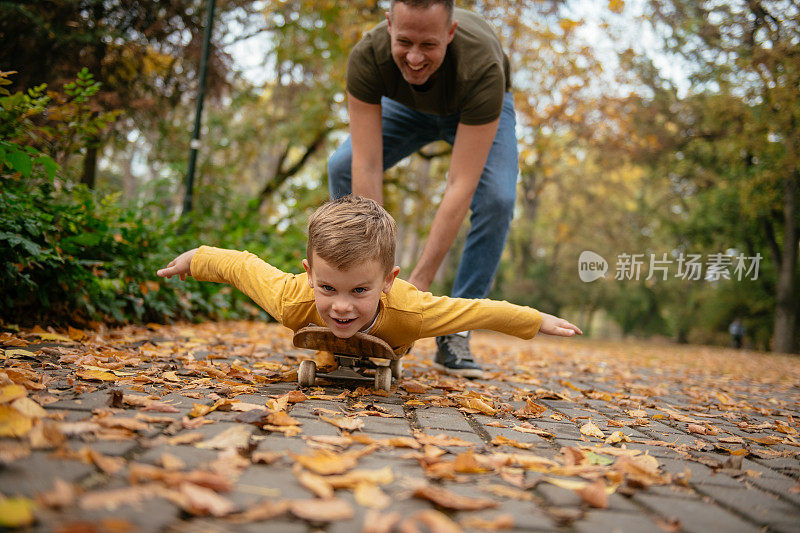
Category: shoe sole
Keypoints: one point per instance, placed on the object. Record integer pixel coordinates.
(472, 373)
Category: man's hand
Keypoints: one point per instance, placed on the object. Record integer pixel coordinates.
(180, 266)
(552, 325)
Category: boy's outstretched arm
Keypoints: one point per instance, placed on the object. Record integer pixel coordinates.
(552, 325)
(180, 266)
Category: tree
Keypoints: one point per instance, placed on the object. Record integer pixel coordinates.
(739, 126)
(146, 53)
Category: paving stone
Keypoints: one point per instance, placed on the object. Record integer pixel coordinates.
(566, 430)
(191, 456)
(561, 497)
(696, 516)
(275, 442)
(267, 481)
(762, 508)
(387, 426)
(114, 448)
(782, 486)
(611, 521)
(441, 418)
(700, 474)
(37, 472)
(84, 402)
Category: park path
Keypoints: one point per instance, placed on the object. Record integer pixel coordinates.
(202, 428)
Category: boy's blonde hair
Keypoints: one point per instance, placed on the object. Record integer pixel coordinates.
(350, 231)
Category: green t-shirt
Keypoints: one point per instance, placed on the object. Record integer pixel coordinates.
(472, 80)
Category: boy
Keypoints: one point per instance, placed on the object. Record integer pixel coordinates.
(351, 284)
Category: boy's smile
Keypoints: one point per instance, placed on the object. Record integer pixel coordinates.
(347, 300)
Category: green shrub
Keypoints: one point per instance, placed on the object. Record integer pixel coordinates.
(71, 254)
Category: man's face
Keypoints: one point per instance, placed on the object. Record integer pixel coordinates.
(347, 300)
(419, 39)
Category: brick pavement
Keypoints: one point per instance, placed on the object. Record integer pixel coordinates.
(708, 489)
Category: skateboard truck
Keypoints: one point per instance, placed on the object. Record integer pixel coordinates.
(353, 355)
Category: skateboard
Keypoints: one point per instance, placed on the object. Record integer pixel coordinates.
(354, 355)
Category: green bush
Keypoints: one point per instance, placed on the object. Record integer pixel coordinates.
(73, 255)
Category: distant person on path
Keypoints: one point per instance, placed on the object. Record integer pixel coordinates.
(351, 284)
(737, 332)
(433, 72)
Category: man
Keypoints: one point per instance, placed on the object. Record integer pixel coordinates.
(432, 72)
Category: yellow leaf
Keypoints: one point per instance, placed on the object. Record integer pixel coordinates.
(371, 495)
(13, 423)
(16, 512)
(29, 408)
(75, 334)
(96, 375)
(591, 429)
(10, 393)
(616, 6)
(616, 437)
(479, 405)
(723, 398)
(343, 422)
(45, 336)
(18, 353)
(501, 440)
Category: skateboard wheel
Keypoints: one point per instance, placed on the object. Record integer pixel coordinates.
(383, 378)
(397, 368)
(307, 373)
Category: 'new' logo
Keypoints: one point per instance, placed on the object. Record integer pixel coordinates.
(591, 266)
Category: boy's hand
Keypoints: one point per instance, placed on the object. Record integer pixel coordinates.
(180, 266)
(552, 325)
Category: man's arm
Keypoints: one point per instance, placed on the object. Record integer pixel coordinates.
(366, 136)
(470, 150)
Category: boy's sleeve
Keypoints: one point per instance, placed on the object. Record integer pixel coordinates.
(256, 278)
(443, 315)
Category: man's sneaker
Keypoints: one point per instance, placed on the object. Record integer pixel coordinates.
(453, 357)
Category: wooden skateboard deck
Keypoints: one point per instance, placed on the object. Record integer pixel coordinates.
(354, 355)
(359, 345)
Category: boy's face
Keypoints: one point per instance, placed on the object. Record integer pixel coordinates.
(347, 300)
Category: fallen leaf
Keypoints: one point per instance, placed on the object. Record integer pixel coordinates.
(594, 494)
(450, 500)
(441, 440)
(16, 512)
(591, 429)
(62, 495)
(9, 393)
(499, 522)
(202, 501)
(316, 484)
(616, 437)
(500, 440)
(13, 423)
(376, 522)
(281, 418)
(237, 436)
(370, 495)
(321, 510)
(96, 375)
(262, 511)
(466, 463)
(325, 462)
(343, 422)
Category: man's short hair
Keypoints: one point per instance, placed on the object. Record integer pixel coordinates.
(350, 231)
(449, 5)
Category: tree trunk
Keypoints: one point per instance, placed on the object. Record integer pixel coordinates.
(785, 332)
(90, 166)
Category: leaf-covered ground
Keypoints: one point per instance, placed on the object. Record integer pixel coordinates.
(203, 427)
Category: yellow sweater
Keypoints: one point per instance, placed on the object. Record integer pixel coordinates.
(405, 315)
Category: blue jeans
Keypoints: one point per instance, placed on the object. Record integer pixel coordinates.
(405, 131)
